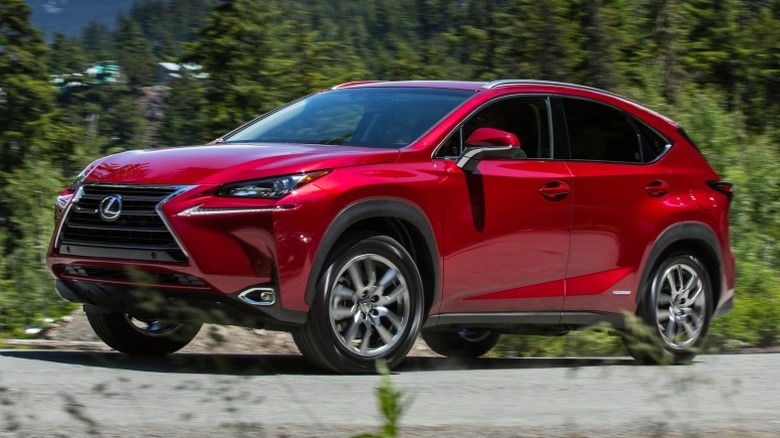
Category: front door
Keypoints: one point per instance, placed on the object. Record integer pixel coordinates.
(506, 225)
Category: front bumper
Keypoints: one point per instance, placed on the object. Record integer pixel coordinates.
(208, 307)
(229, 249)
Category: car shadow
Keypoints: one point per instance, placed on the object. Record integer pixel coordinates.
(415, 364)
(265, 364)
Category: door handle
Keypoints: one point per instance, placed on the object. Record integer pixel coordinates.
(555, 190)
(658, 188)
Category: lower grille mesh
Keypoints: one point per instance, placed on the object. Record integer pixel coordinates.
(130, 276)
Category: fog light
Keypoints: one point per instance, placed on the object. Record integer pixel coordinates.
(259, 296)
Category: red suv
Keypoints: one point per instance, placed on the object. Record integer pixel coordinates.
(360, 216)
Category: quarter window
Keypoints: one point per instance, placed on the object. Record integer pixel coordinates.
(653, 144)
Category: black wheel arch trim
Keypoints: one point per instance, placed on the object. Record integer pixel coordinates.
(685, 231)
(375, 208)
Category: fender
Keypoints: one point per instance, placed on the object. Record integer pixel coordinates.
(370, 209)
(696, 231)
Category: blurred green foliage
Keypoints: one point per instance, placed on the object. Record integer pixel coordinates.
(392, 404)
(714, 66)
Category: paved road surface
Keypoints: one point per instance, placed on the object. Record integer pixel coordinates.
(63, 393)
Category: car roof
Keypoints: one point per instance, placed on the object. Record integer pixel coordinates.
(529, 85)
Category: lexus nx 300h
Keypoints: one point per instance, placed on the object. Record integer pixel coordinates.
(362, 216)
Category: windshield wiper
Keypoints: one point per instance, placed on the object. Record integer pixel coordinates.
(336, 140)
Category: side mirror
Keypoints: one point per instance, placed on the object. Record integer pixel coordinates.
(487, 143)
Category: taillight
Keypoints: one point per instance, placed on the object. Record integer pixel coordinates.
(724, 187)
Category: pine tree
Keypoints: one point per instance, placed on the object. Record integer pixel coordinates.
(97, 41)
(167, 24)
(239, 49)
(29, 178)
(181, 124)
(539, 40)
(761, 92)
(667, 32)
(606, 31)
(121, 120)
(30, 188)
(134, 53)
(712, 54)
(308, 62)
(66, 56)
(26, 94)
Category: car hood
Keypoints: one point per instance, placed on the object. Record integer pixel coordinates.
(217, 164)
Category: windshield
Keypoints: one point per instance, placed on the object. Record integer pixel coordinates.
(371, 117)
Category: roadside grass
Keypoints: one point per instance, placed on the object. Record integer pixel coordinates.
(392, 404)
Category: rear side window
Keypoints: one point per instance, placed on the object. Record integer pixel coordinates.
(601, 133)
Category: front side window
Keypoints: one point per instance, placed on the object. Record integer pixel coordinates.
(526, 117)
(370, 117)
(600, 133)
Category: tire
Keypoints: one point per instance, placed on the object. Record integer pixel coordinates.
(674, 315)
(463, 343)
(147, 337)
(368, 307)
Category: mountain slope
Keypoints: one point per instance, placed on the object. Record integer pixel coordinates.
(69, 16)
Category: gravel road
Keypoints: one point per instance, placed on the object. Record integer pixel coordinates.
(256, 384)
(99, 393)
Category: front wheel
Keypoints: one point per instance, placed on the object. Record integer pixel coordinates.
(676, 312)
(142, 336)
(368, 307)
(463, 343)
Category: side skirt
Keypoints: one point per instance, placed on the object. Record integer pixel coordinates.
(523, 322)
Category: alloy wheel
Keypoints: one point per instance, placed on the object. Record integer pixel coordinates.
(369, 305)
(681, 305)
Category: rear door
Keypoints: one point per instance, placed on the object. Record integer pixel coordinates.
(617, 195)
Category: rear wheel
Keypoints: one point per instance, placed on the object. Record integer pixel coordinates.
(675, 312)
(463, 343)
(368, 307)
(142, 336)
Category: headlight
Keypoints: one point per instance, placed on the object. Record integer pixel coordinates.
(270, 188)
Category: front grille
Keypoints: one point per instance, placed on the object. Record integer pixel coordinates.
(138, 233)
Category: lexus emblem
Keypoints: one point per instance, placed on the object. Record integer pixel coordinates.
(110, 208)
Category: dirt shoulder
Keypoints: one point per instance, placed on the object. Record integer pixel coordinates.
(75, 333)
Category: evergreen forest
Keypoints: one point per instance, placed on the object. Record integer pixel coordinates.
(712, 65)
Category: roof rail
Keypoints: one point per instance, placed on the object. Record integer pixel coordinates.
(508, 82)
(354, 83)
